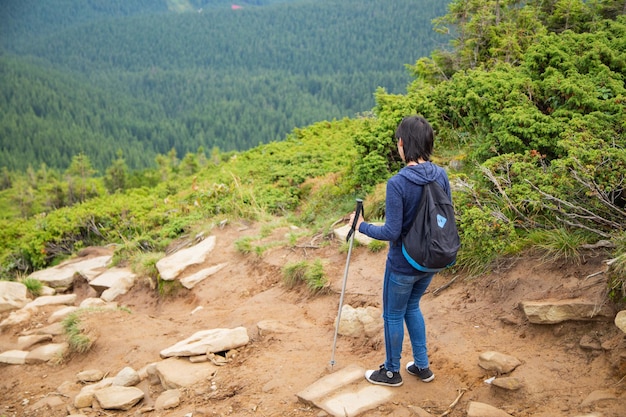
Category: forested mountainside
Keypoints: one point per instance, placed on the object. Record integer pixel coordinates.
(31, 19)
(145, 78)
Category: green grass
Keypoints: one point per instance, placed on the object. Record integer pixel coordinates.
(377, 245)
(34, 286)
(78, 341)
(311, 273)
(559, 244)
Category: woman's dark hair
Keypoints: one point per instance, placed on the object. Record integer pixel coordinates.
(417, 138)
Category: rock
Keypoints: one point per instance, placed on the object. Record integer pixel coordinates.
(46, 353)
(178, 373)
(419, 411)
(94, 302)
(589, 342)
(86, 395)
(17, 317)
(557, 311)
(342, 233)
(13, 295)
(476, 409)
(62, 276)
(150, 371)
(55, 329)
(45, 290)
(13, 357)
(49, 403)
(90, 375)
(190, 281)
(620, 320)
(168, 399)
(120, 278)
(499, 362)
(61, 314)
(208, 341)
(173, 265)
(508, 383)
(127, 377)
(599, 396)
(356, 322)
(47, 300)
(118, 398)
(24, 342)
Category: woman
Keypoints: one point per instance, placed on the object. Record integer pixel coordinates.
(403, 285)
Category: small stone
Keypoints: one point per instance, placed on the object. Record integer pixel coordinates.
(508, 383)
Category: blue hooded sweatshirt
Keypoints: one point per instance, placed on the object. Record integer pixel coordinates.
(404, 191)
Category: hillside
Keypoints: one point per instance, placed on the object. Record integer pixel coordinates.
(528, 110)
(563, 372)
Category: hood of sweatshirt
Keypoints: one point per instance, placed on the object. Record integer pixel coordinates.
(420, 174)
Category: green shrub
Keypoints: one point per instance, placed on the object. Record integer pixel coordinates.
(310, 273)
(560, 243)
(617, 271)
(377, 245)
(34, 286)
(78, 341)
(169, 288)
(485, 235)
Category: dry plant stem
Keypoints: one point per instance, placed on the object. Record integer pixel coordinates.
(495, 182)
(594, 274)
(443, 287)
(589, 215)
(602, 196)
(454, 403)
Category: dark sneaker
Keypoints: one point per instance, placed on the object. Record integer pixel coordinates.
(384, 377)
(425, 374)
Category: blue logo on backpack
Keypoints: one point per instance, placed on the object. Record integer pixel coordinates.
(441, 221)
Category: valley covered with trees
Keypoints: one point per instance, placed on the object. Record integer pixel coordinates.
(146, 78)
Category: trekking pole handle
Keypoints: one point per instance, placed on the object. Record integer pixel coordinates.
(357, 212)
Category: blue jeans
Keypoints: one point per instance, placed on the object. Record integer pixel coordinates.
(401, 304)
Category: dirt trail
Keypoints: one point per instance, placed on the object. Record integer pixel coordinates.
(464, 320)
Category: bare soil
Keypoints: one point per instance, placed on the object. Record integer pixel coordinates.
(467, 318)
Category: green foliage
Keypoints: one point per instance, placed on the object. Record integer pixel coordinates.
(33, 285)
(617, 271)
(530, 98)
(244, 245)
(310, 273)
(377, 245)
(486, 235)
(558, 244)
(545, 132)
(275, 67)
(144, 265)
(78, 340)
(169, 288)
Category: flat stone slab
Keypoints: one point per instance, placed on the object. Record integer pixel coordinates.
(330, 383)
(14, 357)
(62, 276)
(173, 265)
(13, 295)
(208, 341)
(557, 311)
(344, 393)
(177, 373)
(352, 404)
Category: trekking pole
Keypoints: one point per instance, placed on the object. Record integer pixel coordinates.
(349, 238)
